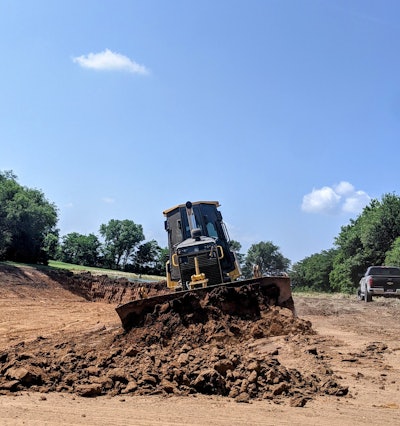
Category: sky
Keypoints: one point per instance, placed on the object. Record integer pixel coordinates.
(287, 112)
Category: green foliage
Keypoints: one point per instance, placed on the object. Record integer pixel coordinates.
(365, 241)
(343, 277)
(121, 240)
(268, 258)
(51, 244)
(80, 249)
(235, 246)
(146, 256)
(8, 188)
(162, 260)
(26, 218)
(393, 255)
(313, 271)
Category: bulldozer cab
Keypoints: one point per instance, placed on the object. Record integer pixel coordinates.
(202, 215)
(193, 222)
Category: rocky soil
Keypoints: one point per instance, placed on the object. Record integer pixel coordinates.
(60, 334)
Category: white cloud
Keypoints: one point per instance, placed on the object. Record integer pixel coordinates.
(324, 200)
(339, 198)
(356, 202)
(111, 61)
(344, 188)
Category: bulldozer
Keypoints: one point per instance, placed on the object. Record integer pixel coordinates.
(202, 260)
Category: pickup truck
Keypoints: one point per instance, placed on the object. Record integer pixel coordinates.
(379, 281)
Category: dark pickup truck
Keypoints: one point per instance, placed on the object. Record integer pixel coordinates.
(379, 281)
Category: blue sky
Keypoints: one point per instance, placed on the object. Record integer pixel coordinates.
(285, 111)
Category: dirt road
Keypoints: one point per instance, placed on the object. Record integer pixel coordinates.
(351, 346)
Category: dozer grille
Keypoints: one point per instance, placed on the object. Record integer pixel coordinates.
(208, 266)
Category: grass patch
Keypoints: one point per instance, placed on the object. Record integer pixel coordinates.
(100, 271)
(54, 264)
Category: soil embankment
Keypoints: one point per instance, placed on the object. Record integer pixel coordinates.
(59, 334)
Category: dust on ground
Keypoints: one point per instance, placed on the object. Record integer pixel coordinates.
(61, 342)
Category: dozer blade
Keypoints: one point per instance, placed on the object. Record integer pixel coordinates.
(276, 289)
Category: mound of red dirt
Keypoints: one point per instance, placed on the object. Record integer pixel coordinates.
(186, 346)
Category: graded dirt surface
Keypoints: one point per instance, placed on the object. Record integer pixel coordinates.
(64, 358)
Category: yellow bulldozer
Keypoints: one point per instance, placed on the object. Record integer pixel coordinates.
(200, 261)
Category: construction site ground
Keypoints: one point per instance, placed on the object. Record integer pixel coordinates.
(65, 359)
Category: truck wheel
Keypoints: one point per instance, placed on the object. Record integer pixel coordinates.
(359, 295)
(367, 297)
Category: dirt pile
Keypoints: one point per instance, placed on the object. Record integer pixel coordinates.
(186, 346)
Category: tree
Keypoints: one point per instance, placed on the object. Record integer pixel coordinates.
(268, 258)
(382, 228)
(365, 241)
(121, 239)
(80, 249)
(313, 271)
(26, 218)
(8, 188)
(146, 256)
(393, 255)
(349, 257)
(51, 244)
(163, 257)
(235, 246)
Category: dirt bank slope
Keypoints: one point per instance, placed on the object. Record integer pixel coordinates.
(55, 341)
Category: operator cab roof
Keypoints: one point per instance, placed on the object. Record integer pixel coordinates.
(194, 203)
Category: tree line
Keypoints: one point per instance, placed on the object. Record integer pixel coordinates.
(29, 233)
(373, 238)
